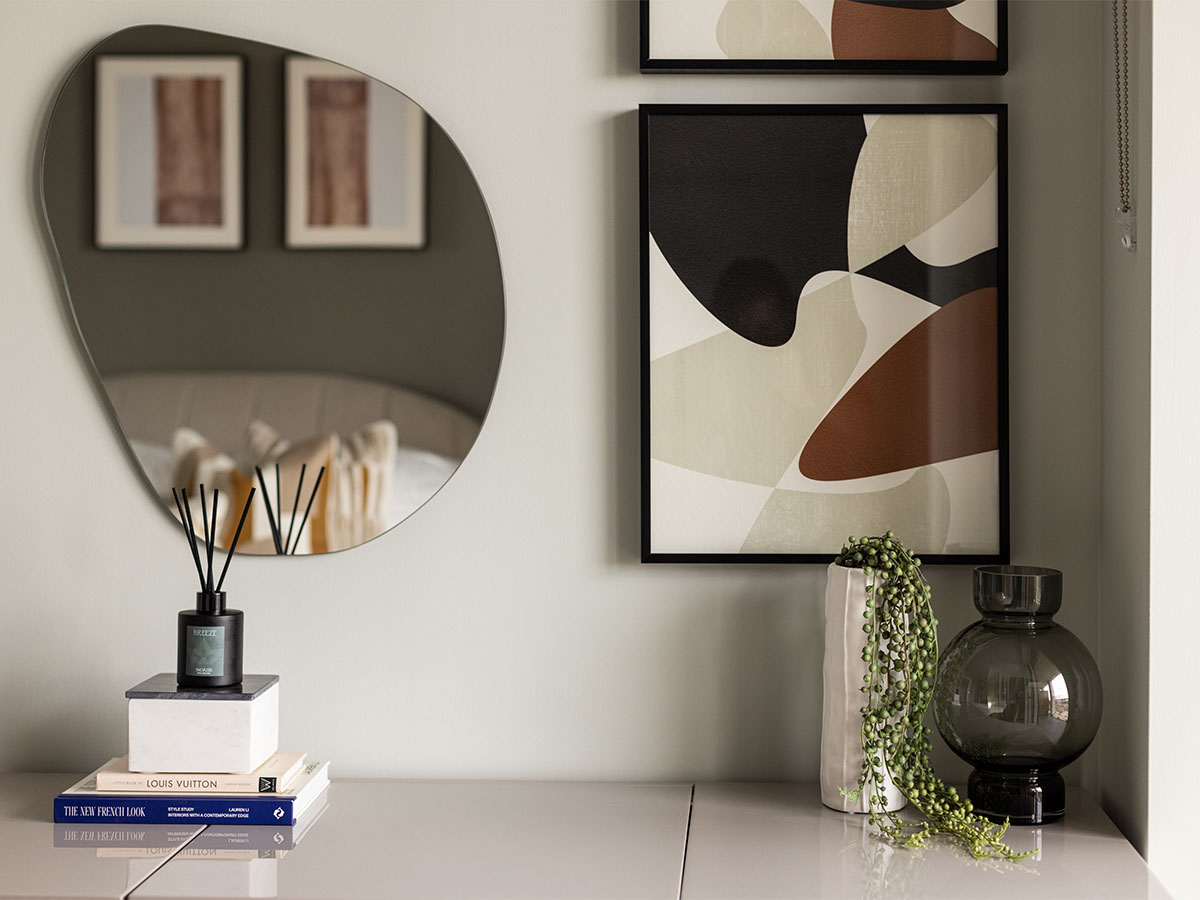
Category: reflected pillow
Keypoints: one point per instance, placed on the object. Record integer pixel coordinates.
(265, 447)
(352, 504)
(194, 462)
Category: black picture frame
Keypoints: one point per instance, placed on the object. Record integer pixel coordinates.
(675, 66)
(647, 113)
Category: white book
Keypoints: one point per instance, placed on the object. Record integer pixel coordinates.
(269, 778)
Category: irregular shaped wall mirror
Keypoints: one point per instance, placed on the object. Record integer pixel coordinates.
(271, 260)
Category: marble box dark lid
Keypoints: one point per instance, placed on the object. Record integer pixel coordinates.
(164, 687)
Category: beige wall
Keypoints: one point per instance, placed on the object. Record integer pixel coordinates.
(1124, 614)
(507, 629)
(1174, 437)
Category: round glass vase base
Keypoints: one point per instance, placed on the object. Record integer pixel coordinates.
(1035, 799)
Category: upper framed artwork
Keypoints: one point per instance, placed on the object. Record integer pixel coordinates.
(940, 37)
(355, 160)
(169, 152)
(824, 331)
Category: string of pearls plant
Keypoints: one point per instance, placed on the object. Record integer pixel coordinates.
(902, 651)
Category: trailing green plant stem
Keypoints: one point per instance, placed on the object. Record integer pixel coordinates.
(901, 655)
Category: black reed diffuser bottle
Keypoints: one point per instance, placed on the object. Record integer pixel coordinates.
(210, 643)
(210, 636)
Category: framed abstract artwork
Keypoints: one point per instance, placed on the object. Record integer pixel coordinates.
(949, 37)
(824, 331)
(169, 152)
(355, 160)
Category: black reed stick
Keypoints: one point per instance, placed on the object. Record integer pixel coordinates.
(188, 536)
(237, 534)
(295, 506)
(187, 505)
(213, 543)
(207, 541)
(270, 516)
(278, 507)
(304, 521)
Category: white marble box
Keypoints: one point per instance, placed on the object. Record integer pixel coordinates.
(173, 729)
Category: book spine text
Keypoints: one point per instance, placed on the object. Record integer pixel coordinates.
(174, 810)
(181, 783)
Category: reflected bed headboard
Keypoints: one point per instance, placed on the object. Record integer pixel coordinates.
(219, 405)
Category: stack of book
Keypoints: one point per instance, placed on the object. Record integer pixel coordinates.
(278, 792)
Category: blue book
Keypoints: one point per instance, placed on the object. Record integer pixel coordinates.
(84, 804)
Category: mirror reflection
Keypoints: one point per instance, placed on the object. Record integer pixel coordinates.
(273, 260)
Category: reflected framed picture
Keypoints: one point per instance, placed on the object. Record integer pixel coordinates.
(355, 160)
(824, 331)
(938, 37)
(169, 152)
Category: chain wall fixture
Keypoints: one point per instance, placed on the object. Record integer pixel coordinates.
(1126, 217)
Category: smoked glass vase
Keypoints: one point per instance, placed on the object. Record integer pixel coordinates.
(1018, 696)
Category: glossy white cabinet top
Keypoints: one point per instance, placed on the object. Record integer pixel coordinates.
(395, 839)
(40, 859)
(561, 840)
(770, 840)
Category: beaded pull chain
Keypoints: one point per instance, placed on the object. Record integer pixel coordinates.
(1126, 218)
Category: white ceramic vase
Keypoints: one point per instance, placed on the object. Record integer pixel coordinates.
(841, 721)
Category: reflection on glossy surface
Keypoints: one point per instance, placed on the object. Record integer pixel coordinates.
(886, 871)
(41, 859)
(212, 875)
(232, 860)
(151, 841)
(530, 840)
(777, 841)
(298, 347)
